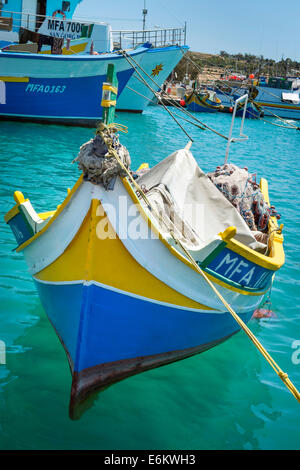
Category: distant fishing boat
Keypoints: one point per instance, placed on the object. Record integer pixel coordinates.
(228, 94)
(253, 111)
(203, 101)
(117, 264)
(171, 94)
(279, 96)
(273, 97)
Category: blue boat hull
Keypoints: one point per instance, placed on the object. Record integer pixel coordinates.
(251, 112)
(197, 108)
(66, 89)
(109, 334)
(61, 100)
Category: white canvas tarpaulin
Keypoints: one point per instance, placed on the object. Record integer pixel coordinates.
(199, 203)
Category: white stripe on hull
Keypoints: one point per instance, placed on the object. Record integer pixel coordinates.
(158, 260)
(130, 294)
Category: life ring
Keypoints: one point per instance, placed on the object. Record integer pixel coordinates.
(58, 12)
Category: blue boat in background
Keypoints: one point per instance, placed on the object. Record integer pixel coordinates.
(49, 71)
(65, 89)
(229, 94)
(253, 111)
(203, 101)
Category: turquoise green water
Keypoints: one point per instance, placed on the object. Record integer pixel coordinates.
(226, 398)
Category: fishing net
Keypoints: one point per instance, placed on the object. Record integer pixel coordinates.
(242, 190)
(96, 157)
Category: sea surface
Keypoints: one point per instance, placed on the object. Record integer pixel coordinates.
(225, 398)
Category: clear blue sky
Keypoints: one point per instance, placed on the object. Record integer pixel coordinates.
(262, 27)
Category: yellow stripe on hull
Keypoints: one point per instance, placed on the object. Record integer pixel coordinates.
(63, 269)
(74, 49)
(109, 262)
(281, 106)
(14, 79)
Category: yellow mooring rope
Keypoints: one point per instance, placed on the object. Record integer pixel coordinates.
(262, 350)
(283, 375)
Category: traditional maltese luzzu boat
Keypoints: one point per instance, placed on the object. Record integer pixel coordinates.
(203, 101)
(112, 265)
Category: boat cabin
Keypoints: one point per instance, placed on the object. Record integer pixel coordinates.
(30, 14)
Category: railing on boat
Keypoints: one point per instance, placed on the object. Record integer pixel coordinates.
(242, 137)
(157, 37)
(13, 21)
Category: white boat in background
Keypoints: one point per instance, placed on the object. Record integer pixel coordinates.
(167, 49)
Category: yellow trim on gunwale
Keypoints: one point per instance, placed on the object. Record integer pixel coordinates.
(56, 214)
(12, 213)
(46, 215)
(14, 79)
(173, 251)
(14, 210)
(280, 106)
(273, 263)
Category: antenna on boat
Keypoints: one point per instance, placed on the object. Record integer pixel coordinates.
(242, 136)
(145, 11)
